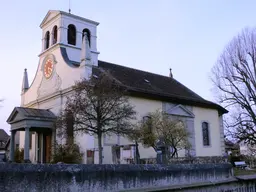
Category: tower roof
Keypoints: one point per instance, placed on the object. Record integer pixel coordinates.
(54, 13)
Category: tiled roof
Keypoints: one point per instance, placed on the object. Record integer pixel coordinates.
(3, 138)
(30, 113)
(3, 135)
(155, 86)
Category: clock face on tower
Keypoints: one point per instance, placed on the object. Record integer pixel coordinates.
(48, 68)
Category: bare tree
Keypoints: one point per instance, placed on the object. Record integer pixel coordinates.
(234, 78)
(98, 106)
(251, 151)
(161, 127)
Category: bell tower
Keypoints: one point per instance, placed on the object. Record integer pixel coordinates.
(66, 30)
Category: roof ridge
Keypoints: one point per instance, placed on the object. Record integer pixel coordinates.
(157, 75)
(161, 86)
(135, 69)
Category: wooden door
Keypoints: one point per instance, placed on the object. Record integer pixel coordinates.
(48, 148)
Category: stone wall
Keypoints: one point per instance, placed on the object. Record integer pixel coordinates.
(198, 160)
(235, 184)
(65, 178)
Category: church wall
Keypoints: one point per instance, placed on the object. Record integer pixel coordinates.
(22, 142)
(185, 114)
(63, 77)
(212, 118)
(22, 139)
(80, 25)
(49, 27)
(142, 107)
(74, 54)
(85, 142)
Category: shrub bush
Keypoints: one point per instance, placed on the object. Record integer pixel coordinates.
(68, 153)
(19, 155)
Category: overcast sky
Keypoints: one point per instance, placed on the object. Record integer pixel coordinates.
(151, 35)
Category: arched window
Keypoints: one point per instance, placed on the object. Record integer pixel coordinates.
(54, 34)
(71, 34)
(147, 121)
(47, 40)
(88, 35)
(206, 135)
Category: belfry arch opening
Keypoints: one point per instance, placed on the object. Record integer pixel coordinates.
(54, 34)
(88, 33)
(47, 40)
(71, 34)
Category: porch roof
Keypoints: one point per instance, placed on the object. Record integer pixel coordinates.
(22, 117)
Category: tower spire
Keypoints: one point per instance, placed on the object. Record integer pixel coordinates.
(69, 7)
(25, 84)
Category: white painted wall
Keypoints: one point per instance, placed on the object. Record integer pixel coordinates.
(61, 69)
(32, 150)
(142, 107)
(211, 116)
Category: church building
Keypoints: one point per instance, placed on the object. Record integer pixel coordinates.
(69, 53)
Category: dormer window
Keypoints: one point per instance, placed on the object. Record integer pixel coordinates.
(71, 34)
(47, 40)
(54, 34)
(88, 35)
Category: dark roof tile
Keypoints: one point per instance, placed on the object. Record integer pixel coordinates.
(151, 84)
(3, 135)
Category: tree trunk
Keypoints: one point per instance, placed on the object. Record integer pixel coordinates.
(100, 147)
(175, 152)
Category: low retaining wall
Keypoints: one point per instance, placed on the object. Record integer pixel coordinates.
(235, 184)
(198, 160)
(65, 178)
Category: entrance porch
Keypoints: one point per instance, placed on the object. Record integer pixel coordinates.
(38, 121)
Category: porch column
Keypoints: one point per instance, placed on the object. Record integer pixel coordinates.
(36, 146)
(12, 146)
(26, 148)
(53, 142)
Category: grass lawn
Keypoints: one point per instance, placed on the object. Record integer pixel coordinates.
(238, 172)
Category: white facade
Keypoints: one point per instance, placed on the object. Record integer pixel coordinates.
(50, 93)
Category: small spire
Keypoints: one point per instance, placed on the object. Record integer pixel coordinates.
(69, 8)
(85, 51)
(170, 74)
(25, 84)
